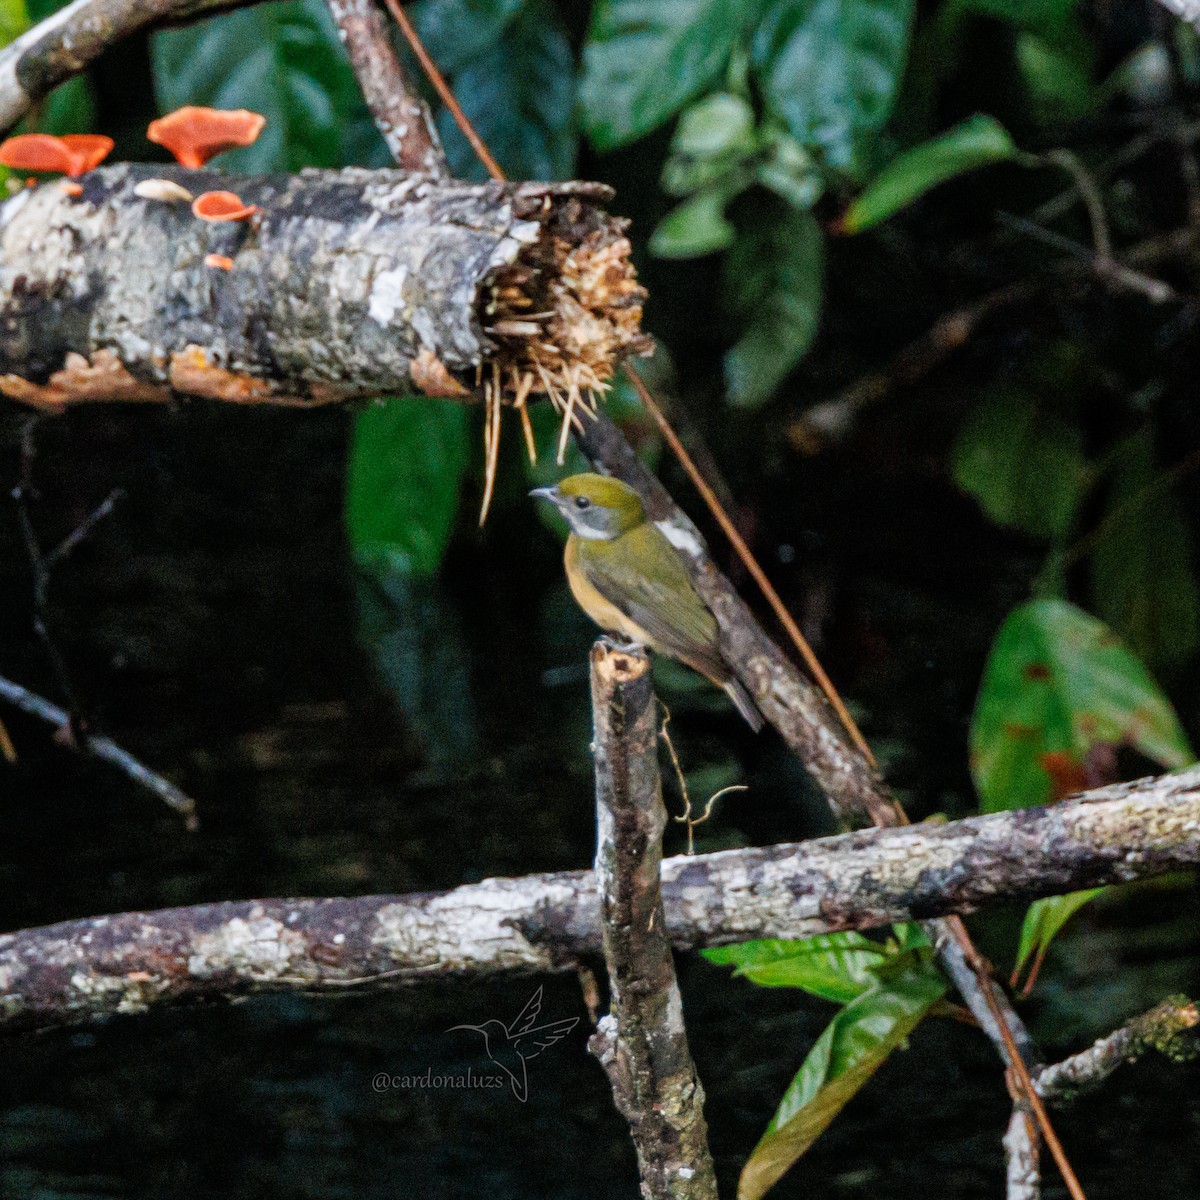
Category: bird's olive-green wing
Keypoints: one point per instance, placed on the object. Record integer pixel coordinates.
(641, 573)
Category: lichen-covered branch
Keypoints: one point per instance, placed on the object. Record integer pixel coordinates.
(402, 117)
(1170, 1028)
(543, 923)
(642, 1042)
(1023, 1172)
(342, 284)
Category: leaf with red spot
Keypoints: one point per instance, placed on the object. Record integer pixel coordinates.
(1060, 695)
(1059, 684)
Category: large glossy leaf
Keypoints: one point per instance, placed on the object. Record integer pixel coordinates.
(838, 967)
(1022, 462)
(281, 60)
(406, 470)
(1143, 581)
(457, 32)
(852, 1048)
(518, 90)
(645, 59)
(774, 281)
(1057, 683)
(977, 141)
(831, 69)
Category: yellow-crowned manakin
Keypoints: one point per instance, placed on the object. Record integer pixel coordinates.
(629, 579)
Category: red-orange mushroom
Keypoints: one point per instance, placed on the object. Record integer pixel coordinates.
(222, 206)
(71, 154)
(194, 135)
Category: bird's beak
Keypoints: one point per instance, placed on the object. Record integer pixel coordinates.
(546, 493)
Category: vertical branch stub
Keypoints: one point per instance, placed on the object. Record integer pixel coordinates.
(642, 1042)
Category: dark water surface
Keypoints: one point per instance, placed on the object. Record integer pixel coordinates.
(343, 738)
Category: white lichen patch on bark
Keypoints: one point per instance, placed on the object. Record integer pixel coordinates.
(260, 949)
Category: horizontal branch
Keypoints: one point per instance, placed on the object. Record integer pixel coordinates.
(1169, 1028)
(80, 969)
(341, 284)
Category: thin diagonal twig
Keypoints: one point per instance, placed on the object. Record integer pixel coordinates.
(103, 748)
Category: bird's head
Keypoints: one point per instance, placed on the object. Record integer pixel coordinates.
(595, 506)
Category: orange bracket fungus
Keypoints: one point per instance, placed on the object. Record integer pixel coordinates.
(218, 262)
(194, 135)
(222, 206)
(72, 154)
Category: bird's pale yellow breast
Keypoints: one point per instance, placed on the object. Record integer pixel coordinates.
(605, 614)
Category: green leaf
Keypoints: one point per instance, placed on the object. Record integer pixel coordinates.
(697, 226)
(1022, 462)
(406, 468)
(1058, 682)
(457, 32)
(975, 142)
(718, 125)
(283, 61)
(712, 146)
(1143, 579)
(831, 69)
(789, 170)
(1044, 918)
(415, 637)
(1057, 73)
(645, 59)
(836, 967)
(14, 20)
(774, 278)
(852, 1048)
(519, 93)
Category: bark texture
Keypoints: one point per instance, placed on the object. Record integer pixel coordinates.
(400, 115)
(642, 1043)
(1023, 1174)
(1170, 1028)
(77, 970)
(343, 283)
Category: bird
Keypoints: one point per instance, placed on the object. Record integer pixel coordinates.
(510, 1047)
(631, 581)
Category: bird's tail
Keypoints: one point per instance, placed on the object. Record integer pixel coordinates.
(743, 703)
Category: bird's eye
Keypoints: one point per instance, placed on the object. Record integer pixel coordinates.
(582, 502)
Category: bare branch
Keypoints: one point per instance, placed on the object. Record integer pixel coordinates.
(399, 112)
(642, 1043)
(1024, 1175)
(1170, 1028)
(543, 923)
(103, 748)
